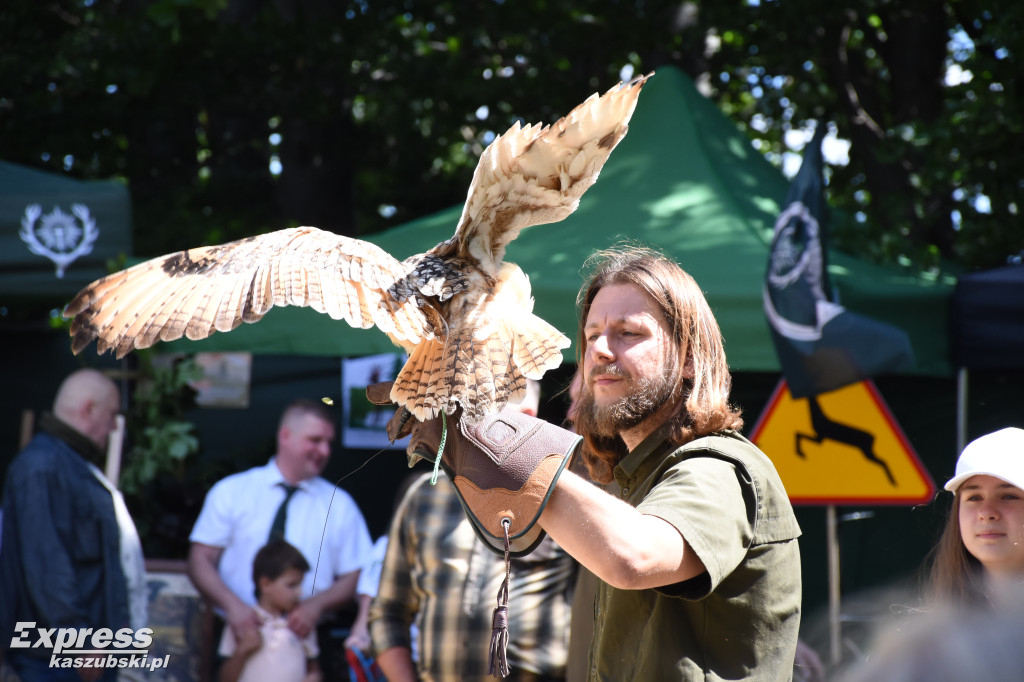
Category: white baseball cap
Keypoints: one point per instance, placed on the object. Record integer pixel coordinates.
(999, 454)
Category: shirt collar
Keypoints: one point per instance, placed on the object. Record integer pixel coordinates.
(274, 476)
(630, 464)
(77, 441)
(264, 615)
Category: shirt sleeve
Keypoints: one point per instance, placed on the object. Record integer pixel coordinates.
(310, 646)
(227, 643)
(214, 525)
(353, 544)
(394, 608)
(369, 577)
(704, 498)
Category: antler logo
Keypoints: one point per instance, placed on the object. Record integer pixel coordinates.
(796, 263)
(799, 249)
(59, 236)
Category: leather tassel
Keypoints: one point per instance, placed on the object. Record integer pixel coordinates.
(499, 642)
(499, 620)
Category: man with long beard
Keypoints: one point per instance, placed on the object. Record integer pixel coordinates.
(693, 537)
(691, 534)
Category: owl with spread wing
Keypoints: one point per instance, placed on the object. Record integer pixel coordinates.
(462, 313)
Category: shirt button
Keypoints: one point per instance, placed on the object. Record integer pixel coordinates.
(625, 491)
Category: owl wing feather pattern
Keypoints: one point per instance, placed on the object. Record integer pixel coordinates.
(464, 315)
(528, 176)
(535, 174)
(215, 288)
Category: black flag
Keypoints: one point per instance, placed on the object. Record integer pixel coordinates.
(821, 346)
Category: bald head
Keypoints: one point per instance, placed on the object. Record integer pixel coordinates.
(88, 402)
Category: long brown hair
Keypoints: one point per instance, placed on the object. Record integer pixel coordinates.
(954, 575)
(697, 344)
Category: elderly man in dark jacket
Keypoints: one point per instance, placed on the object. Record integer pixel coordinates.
(60, 555)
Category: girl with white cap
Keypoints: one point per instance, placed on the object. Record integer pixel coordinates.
(982, 544)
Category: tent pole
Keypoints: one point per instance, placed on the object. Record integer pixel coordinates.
(115, 442)
(961, 409)
(28, 423)
(834, 629)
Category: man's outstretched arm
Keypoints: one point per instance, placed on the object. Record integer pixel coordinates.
(622, 546)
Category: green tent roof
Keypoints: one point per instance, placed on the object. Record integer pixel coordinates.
(100, 211)
(685, 180)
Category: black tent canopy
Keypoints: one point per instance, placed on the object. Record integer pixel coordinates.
(987, 320)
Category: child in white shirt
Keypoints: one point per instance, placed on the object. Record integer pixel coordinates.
(273, 653)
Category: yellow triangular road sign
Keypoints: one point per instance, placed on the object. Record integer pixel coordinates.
(841, 447)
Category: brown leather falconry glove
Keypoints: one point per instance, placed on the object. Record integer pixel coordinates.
(504, 468)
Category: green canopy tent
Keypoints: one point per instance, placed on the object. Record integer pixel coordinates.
(49, 224)
(57, 233)
(685, 180)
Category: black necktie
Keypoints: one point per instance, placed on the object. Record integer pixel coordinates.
(277, 528)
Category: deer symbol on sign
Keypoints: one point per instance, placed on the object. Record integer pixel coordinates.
(826, 429)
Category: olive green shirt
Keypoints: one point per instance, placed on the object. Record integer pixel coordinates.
(737, 621)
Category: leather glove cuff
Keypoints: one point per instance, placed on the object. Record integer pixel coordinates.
(522, 458)
(504, 467)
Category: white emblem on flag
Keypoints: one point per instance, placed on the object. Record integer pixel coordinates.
(793, 257)
(59, 236)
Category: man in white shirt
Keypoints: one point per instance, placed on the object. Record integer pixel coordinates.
(286, 495)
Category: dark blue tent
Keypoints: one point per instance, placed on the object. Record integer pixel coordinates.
(987, 319)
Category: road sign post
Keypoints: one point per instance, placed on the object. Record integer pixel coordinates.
(840, 448)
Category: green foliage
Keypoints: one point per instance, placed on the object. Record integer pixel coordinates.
(162, 478)
(162, 438)
(375, 111)
(923, 151)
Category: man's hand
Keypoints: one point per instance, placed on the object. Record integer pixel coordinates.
(242, 619)
(504, 468)
(359, 638)
(250, 643)
(304, 617)
(202, 570)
